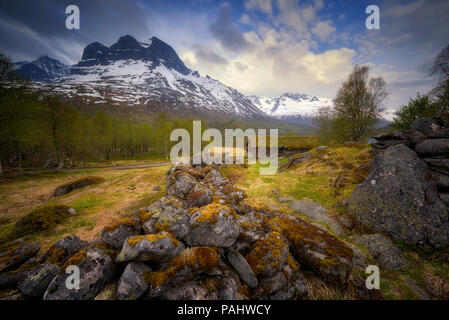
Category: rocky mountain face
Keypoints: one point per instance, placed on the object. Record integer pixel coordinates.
(131, 73)
(44, 69)
(406, 195)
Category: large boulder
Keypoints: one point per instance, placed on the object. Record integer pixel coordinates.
(180, 182)
(213, 225)
(153, 248)
(399, 198)
(97, 269)
(312, 247)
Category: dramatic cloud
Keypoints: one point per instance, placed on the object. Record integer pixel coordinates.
(226, 32)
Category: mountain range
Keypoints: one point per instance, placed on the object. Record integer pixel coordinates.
(149, 76)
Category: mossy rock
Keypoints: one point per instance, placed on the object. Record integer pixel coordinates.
(77, 184)
(41, 219)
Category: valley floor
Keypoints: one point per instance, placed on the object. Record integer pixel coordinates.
(327, 178)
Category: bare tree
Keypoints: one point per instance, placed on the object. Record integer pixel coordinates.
(323, 119)
(358, 102)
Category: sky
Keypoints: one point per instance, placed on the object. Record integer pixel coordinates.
(261, 47)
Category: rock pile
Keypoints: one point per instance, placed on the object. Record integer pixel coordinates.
(406, 195)
(203, 240)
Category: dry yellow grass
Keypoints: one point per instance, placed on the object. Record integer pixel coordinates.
(122, 192)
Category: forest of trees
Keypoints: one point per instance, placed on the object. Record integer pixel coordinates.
(36, 130)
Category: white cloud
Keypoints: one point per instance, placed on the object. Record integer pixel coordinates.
(323, 30)
(262, 5)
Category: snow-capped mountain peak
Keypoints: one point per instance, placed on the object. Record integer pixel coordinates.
(42, 69)
(134, 74)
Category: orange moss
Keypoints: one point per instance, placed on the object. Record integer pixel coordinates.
(129, 222)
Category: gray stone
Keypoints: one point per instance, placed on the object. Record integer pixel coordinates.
(199, 196)
(155, 248)
(399, 198)
(445, 198)
(442, 180)
(17, 253)
(63, 249)
(285, 199)
(438, 165)
(421, 294)
(433, 147)
(116, 234)
(316, 212)
(194, 290)
(180, 183)
(360, 259)
(213, 225)
(132, 284)
(97, 269)
(251, 228)
(39, 279)
(428, 126)
(243, 269)
(166, 214)
(384, 251)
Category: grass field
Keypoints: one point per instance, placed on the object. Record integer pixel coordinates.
(120, 194)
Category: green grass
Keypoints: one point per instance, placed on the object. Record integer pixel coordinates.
(84, 204)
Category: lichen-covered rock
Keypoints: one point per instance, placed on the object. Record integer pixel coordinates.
(153, 248)
(201, 289)
(238, 262)
(442, 180)
(360, 260)
(214, 178)
(12, 295)
(213, 225)
(314, 248)
(180, 183)
(384, 251)
(399, 198)
(230, 194)
(10, 279)
(17, 253)
(39, 279)
(251, 228)
(63, 249)
(316, 212)
(189, 263)
(166, 214)
(267, 256)
(132, 284)
(199, 196)
(97, 269)
(117, 232)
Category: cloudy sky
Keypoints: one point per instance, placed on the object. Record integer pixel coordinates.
(263, 47)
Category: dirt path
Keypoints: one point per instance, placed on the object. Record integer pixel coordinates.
(133, 166)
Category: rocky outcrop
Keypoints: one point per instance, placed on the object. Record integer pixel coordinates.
(203, 240)
(399, 198)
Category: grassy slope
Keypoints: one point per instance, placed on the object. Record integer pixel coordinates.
(314, 180)
(122, 192)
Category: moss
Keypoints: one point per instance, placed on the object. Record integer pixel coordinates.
(107, 249)
(266, 253)
(128, 222)
(197, 259)
(41, 219)
(133, 241)
(74, 260)
(211, 212)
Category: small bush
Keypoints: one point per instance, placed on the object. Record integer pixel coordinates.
(40, 219)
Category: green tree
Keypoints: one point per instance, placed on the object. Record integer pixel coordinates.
(358, 101)
(419, 107)
(324, 119)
